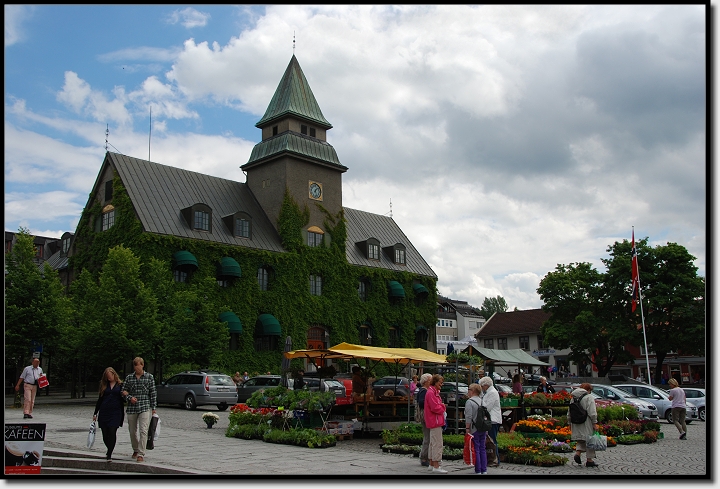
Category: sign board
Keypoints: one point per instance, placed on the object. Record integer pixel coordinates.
(546, 351)
(36, 354)
(24, 448)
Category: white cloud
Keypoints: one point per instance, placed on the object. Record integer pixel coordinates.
(15, 15)
(78, 95)
(188, 17)
(39, 207)
(143, 53)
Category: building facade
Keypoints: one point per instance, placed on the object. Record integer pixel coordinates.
(457, 323)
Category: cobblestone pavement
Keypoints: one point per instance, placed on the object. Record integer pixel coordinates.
(185, 442)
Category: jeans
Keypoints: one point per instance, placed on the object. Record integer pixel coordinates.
(138, 424)
(480, 455)
(493, 435)
(425, 443)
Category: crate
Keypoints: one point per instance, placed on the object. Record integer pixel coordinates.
(508, 402)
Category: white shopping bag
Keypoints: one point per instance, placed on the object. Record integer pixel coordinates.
(91, 435)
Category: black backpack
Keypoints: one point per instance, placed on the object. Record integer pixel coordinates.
(482, 420)
(578, 414)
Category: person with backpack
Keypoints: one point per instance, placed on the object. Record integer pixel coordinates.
(434, 415)
(473, 409)
(583, 417)
(420, 418)
(491, 400)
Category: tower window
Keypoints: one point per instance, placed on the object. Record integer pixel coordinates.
(303, 129)
(312, 132)
(275, 129)
(314, 239)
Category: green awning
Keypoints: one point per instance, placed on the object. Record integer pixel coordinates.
(184, 258)
(267, 325)
(420, 327)
(229, 268)
(396, 290)
(233, 322)
(420, 290)
(510, 357)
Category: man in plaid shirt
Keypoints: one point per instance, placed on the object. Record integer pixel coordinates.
(141, 395)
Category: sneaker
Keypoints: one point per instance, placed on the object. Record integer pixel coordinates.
(424, 463)
(683, 436)
(440, 470)
(26, 416)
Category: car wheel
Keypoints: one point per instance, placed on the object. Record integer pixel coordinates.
(701, 414)
(190, 402)
(222, 406)
(668, 416)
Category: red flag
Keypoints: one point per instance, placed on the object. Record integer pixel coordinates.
(635, 274)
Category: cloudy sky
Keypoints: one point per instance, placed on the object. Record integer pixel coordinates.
(509, 138)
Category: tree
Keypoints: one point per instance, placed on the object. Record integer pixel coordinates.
(673, 297)
(584, 317)
(491, 305)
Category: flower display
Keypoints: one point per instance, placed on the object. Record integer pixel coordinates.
(210, 418)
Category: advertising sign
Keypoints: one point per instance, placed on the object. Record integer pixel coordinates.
(24, 447)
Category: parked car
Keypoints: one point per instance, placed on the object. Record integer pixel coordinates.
(391, 386)
(198, 388)
(697, 397)
(328, 385)
(534, 379)
(254, 384)
(453, 390)
(497, 378)
(660, 399)
(645, 409)
(503, 388)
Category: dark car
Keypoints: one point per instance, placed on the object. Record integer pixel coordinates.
(391, 386)
(534, 379)
(453, 390)
(198, 388)
(254, 384)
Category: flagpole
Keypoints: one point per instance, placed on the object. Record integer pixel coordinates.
(642, 315)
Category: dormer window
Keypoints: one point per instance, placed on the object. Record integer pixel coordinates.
(370, 248)
(239, 224)
(275, 130)
(314, 236)
(65, 242)
(396, 253)
(198, 217)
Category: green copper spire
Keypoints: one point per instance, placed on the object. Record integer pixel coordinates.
(294, 97)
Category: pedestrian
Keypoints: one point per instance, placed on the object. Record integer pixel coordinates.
(413, 385)
(580, 432)
(491, 400)
(245, 377)
(359, 384)
(141, 396)
(29, 377)
(472, 405)
(677, 396)
(434, 415)
(517, 384)
(237, 379)
(544, 387)
(110, 407)
(299, 380)
(422, 392)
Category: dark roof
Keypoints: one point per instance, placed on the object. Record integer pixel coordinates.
(158, 193)
(514, 322)
(57, 261)
(461, 307)
(363, 225)
(294, 97)
(297, 145)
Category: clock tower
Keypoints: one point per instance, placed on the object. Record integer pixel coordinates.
(294, 154)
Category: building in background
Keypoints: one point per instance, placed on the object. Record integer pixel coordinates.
(457, 323)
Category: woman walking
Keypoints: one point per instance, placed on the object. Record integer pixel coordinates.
(424, 383)
(679, 409)
(434, 415)
(471, 408)
(581, 431)
(491, 401)
(110, 407)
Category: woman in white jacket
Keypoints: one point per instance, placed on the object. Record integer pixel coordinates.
(491, 400)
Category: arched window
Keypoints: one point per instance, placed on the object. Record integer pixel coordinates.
(421, 337)
(365, 334)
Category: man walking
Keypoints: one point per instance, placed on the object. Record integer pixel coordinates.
(29, 376)
(141, 395)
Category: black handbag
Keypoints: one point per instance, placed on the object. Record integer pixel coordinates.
(151, 433)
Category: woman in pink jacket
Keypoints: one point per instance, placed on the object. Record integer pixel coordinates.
(435, 420)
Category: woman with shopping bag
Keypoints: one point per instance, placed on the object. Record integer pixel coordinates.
(110, 408)
(581, 431)
(477, 452)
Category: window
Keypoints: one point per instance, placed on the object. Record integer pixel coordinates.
(234, 341)
(363, 289)
(315, 285)
(421, 337)
(39, 251)
(502, 344)
(365, 335)
(540, 342)
(400, 256)
(394, 341)
(314, 239)
(303, 128)
(373, 252)
(108, 190)
(202, 221)
(8, 246)
(180, 276)
(242, 228)
(525, 342)
(275, 129)
(108, 219)
(312, 132)
(66, 245)
(262, 277)
(266, 343)
(488, 343)
(224, 283)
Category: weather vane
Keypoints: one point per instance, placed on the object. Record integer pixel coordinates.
(293, 43)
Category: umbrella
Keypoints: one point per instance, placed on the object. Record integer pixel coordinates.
(285, 365)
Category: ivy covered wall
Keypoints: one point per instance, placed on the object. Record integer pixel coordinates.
(339, 309)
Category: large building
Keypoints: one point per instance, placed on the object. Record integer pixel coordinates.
(457, 323)
(288, 257)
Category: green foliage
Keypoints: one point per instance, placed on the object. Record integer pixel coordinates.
(291, 221)
(630, 439)
(464, 358)
(454, 441)
(491, 305)
(514, 439)
(291, 399)
(610, 413)
(300, 437)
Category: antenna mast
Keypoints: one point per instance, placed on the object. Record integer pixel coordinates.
(389, 213)
(293, 43)
(107, 133)
(150, 132)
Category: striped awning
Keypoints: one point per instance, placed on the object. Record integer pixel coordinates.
(233, 322)
(229, 268)
(396, 290)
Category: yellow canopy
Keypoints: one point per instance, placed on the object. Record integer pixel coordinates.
(393, 355)
(322, 354)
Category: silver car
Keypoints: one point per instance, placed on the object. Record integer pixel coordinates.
(191, 389)
(253, 384)
(646, 410)
(659, 398)
(697, 397)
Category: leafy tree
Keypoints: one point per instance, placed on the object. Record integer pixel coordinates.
(584, 317)
(491, 305)
(673, 297)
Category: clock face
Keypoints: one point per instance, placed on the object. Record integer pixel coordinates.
(315, 190)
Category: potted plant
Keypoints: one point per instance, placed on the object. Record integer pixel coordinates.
(210, 419)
